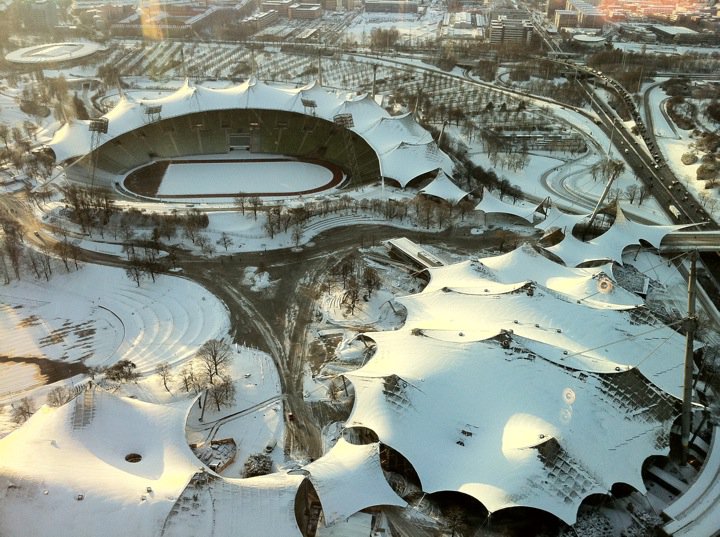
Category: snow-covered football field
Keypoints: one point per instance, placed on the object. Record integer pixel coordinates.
(249, 177)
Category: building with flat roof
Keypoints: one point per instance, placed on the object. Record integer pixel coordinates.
(305, 11)
(281, 6)
(503, 31)
(391, 6)
(589, 16)
(566, 18)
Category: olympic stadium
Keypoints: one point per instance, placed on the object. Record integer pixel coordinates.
(300, 140)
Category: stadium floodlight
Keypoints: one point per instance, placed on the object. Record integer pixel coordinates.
(99, 125)
(308, 103)
(344, 120)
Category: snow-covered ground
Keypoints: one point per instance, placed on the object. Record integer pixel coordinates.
(246, 177)
(97, 315)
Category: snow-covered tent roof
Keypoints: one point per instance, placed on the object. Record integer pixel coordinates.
(442, 187)
(610, 245)
(506, 427)
(555, 218)
(80, 449)
(406, 161)
(261, 506)
(396, 140)
(594, 287)
(491, 204)
(556, 329)
(348, 478)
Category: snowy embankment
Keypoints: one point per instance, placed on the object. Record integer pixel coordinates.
(98, 316)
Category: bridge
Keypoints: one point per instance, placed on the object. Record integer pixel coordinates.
(688, 241)
(697, 510)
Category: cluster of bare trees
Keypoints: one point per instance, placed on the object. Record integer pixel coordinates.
(279, 220)
(90, 207)
(143, 262)
(16, 257)
(17, 152)
(356, 278)
(22, 410)
(207, 374)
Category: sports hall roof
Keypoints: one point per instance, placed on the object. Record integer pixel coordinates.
(404, 149)
(594, 287)
(505, 425)
(554, 326)
(80, 449)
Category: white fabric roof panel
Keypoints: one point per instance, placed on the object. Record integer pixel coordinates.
(386, 132)
(348, 478)
(80, 448)
(261, 506)
(618, 340)
(442, 187)
(491, 204)
(503, 427)
(366, 112)
(555, 218)
(405, 150)
(610, 245)
(594, 286)
(408, 161)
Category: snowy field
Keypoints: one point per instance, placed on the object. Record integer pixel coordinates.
(247, 177)
(98, 316)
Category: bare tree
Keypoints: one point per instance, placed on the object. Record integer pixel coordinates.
(212, 358)
(371, 280)
(59, 396)
(255, 204)
(631, 192)
(240, 201)
(352, 294)
(22, 410)
(225, 241)
(163, 370)
(222, 393)
(189, 379)
(135, 270)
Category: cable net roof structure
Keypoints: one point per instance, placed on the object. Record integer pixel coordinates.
(496, 387)
(595, 287)
(556, 328)
(555, 218)
(610, 245)
(348, 478)
(443, 187)
(94, 459)
(492, 204)
(506, 426)
(404, 149)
